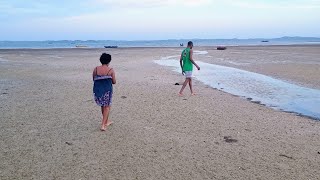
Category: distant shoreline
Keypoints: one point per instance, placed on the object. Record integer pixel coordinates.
(301, 38)
(156, 47)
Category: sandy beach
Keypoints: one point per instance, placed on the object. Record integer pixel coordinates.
(50, 123)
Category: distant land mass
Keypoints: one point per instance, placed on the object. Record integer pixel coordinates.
(286, 38)
(298, 38)
(295, 38)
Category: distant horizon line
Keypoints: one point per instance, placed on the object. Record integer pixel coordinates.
(185, 39)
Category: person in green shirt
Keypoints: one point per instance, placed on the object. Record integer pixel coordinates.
(186, 63)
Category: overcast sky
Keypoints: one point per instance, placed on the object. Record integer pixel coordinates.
(157, 19)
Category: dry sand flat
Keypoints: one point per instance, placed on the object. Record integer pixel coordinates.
(50, 124)
(298, 64)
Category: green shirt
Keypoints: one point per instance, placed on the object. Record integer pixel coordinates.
(186, 63)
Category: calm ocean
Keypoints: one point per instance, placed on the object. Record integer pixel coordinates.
(155, 43)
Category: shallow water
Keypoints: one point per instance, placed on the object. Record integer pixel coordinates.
(256, 87)
(3, 60)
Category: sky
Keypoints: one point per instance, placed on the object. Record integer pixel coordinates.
(157, 19)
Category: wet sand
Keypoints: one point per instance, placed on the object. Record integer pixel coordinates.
(50, 124)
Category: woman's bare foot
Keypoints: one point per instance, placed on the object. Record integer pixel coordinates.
(193, 94)
(180, 94)
(109, 123)
(103, 128)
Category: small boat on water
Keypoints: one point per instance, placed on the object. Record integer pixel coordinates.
(265, 41)
(221, 48)
(110, 46)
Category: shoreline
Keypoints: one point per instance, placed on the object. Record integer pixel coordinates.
(272, 93)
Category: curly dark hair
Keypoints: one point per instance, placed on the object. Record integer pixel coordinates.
(105, 58)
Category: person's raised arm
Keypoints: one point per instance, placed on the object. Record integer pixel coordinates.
(191, 59)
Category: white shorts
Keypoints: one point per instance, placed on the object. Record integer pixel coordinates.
(188, 74)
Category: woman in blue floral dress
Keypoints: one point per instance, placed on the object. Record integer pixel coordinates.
(103, 78)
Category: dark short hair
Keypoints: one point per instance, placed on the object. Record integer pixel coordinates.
(190, 43)
(105, 58)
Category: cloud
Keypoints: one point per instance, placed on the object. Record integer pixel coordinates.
(132, 3)
(151, 3)
(284, 4)
(42, 8)
(105, 18)
(12, 8)
(260, 4)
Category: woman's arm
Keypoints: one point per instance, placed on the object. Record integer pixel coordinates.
(113, 75)
(94, 73)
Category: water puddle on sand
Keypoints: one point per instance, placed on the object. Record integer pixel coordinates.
(257, 88)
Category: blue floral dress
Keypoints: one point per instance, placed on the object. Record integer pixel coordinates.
(102, 90)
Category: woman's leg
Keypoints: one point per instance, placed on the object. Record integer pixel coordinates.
(102, 124)
(108, 121)
(105, 116)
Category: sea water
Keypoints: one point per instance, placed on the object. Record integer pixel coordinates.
(256, 87)
(153, 43)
